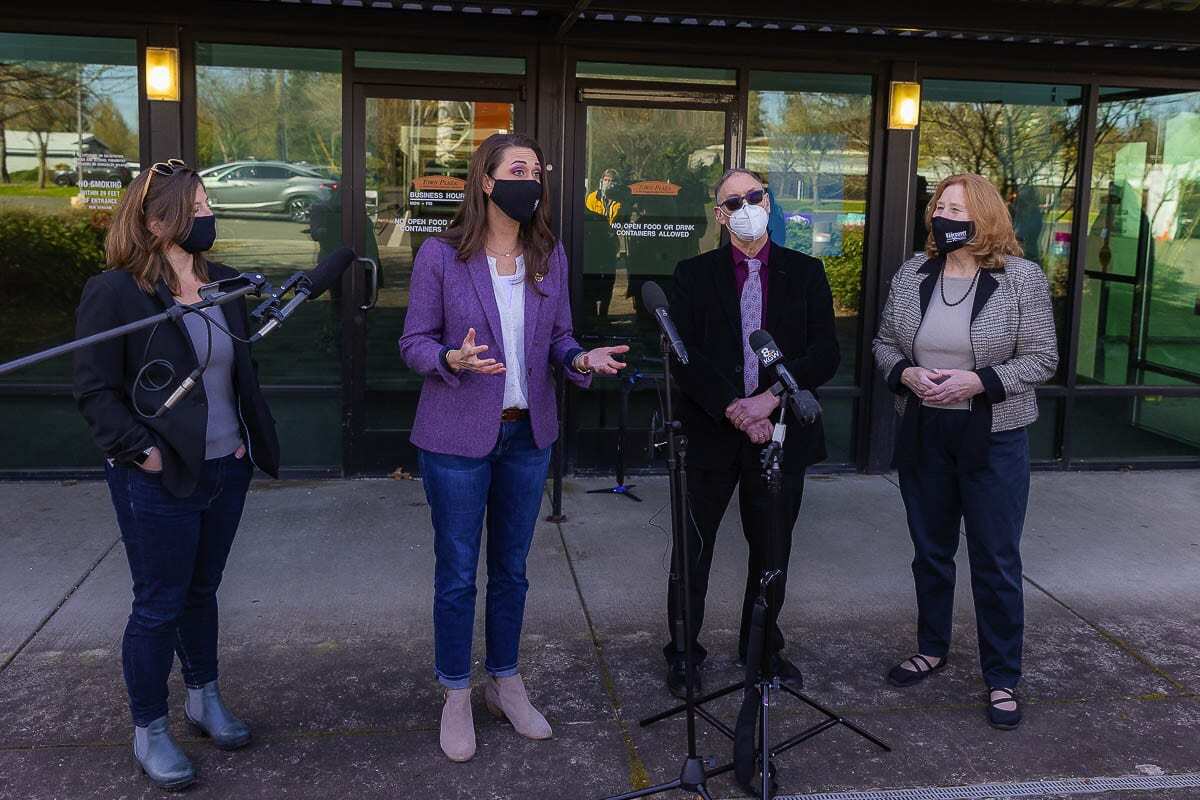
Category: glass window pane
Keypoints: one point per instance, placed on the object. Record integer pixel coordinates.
(1044, 434)
(69, 127)
(1142, 293)
(646, 206)
(269, 148)
(432, 62)
(655, 72)
(1135, 428)
(1024, 138)
(809, 137)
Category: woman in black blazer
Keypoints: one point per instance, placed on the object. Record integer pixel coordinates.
(178, 479)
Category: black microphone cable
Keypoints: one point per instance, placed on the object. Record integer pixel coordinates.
(143, 381)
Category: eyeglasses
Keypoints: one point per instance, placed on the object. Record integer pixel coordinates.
(166, 169)
(753, 197)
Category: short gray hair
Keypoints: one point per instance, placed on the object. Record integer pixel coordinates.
(729, 173)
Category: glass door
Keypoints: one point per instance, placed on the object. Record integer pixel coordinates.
(411, 154)
(646, 161)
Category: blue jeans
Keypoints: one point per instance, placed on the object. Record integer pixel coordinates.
(176, 549)
(506, 486)
(991, 501)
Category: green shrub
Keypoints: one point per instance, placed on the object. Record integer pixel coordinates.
(844, 271)
(45, 257)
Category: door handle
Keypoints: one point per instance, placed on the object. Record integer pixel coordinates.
(373, 268)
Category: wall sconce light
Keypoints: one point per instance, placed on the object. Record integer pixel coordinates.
(162, 73)
(905, 111)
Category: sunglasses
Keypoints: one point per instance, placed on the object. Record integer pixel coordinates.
(753, 197)
(166, 169)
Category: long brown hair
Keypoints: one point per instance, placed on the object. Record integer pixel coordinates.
(133, 247)
(468, 230)
(994, 234)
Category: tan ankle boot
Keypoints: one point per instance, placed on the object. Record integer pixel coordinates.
(506, 698)
(458, 726)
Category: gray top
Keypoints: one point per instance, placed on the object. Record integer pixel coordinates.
(944, 339)
(224, 434)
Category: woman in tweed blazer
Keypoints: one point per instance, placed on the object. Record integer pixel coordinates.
(488, 323)
(966, 335)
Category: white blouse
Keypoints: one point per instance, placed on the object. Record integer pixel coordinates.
(510, 298)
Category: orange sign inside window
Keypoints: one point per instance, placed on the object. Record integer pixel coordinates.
(444, 183)
(492, 118)
(654, 188)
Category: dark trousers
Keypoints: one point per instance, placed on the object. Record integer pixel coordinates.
(709, 492)
(991, 502)
(177, 549)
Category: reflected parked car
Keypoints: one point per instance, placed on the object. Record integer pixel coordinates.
(276, 187)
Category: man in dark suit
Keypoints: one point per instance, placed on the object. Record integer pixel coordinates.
(718, 299)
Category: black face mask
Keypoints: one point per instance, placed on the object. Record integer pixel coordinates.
(517, 198)
(951, 234)
(202, 235)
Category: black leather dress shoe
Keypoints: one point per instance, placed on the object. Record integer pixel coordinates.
(783, 668)
(787, 672)
(677, 680)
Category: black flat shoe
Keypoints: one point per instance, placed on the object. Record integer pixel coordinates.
(677, 680)
(903, 677)
(999, 718)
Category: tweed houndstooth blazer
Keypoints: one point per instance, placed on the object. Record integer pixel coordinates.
(1012, 334)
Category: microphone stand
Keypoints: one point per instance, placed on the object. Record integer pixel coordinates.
(627, 386)
(759, 677)
(256, 283)
(692, 775)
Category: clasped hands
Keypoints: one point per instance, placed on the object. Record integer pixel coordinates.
(466, 358)
(941, 386)
(752, 416)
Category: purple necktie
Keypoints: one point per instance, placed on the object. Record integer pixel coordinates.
(751, 321)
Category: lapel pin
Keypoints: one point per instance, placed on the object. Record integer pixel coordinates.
(538, 277)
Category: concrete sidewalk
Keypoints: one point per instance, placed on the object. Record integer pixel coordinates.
(327, 646)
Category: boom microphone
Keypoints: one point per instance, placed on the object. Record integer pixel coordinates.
(804, 405)
(310, 285)
(655, 299)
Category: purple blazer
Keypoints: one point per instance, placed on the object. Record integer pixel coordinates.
(459, 413)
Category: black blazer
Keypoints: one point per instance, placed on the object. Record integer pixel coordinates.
(105, 372)
(707, 311)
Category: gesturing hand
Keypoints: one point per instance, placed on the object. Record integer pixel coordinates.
(920, 380)
(601, 359)
(953, 386)
(466, 358)
(760, 432)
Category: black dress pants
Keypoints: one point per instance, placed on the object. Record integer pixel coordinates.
(709, 492)
(939, 496)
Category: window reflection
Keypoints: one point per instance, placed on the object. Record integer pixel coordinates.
(1024, 138)
(268, 147)
(810, 137)
(68, 148)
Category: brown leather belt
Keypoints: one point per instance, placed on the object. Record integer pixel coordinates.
(514, 414)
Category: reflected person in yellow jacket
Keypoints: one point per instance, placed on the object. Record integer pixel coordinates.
(602, 208)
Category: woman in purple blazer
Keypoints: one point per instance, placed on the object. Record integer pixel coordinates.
(488, 322)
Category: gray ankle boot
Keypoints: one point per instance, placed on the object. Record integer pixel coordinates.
(208, 713)
(160, 757)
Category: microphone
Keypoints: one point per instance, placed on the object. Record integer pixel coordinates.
(655, 299)
(310, 285)
(804, 405)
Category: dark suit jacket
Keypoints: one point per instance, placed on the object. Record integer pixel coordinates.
(105, 374)
(707, 311)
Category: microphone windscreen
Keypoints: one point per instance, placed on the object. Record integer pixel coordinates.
(760, 339)
(329, 271)
(653, 297)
